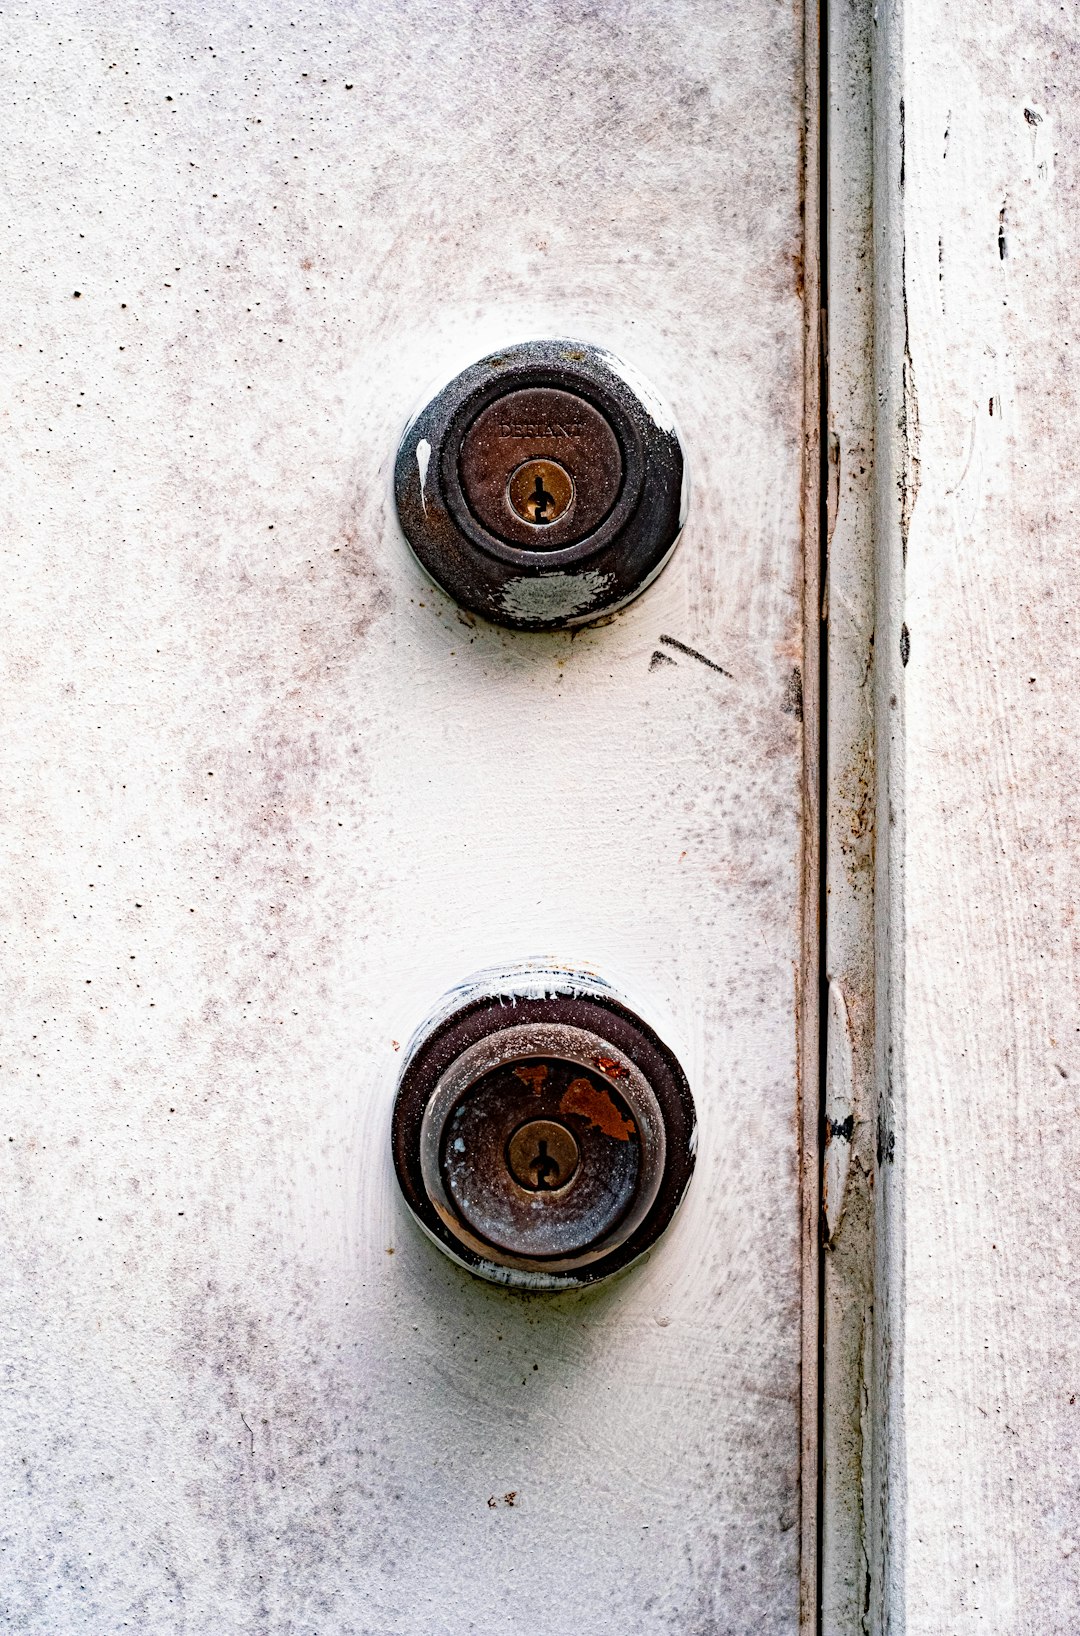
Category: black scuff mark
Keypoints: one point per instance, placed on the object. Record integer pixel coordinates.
(659, 659)
(832, 507)
(910, 464)
(905, 645)
(692, 653)
(793, 695)
(910, 471)
(903, 141)
(886, 1144)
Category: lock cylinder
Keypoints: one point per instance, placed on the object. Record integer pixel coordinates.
(543, 487)
(543, 1138)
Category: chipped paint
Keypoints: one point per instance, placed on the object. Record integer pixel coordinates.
(569, 594)
(533, 1075)
(839, 1109)
(423, 457)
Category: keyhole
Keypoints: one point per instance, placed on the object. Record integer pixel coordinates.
(542, 1155)
(541, 499)
(544, 1166)
(540, 492)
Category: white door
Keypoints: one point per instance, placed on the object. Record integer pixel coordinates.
(268, 794)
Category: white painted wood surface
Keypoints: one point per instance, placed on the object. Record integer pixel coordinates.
(266, 796)
(978, 215)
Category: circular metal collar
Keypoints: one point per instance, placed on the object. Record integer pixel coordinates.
(562, 579)
(586, 1023)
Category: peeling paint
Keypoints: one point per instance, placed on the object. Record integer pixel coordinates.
(582, 1097)
(540, 598)
(423, 457)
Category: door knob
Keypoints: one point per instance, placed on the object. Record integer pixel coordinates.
(543, 1133)
(543, 487)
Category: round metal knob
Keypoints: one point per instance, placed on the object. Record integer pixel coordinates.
(543, 1140)
(543, 487)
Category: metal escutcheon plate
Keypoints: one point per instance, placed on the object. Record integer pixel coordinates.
(543, 487)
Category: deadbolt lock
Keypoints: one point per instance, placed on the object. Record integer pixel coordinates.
(543, 1138)
(543, 487)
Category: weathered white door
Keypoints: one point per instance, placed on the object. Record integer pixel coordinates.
(268, 794)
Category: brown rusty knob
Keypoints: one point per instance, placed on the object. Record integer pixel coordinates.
(543, 1141)
(538, 1156)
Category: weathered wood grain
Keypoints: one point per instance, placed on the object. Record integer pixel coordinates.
(978, 220)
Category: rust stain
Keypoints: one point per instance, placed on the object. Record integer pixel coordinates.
(533, 1074)
(583, 1097)
(613, 1069)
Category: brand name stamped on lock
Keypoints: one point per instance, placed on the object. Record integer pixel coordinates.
(536, 428)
